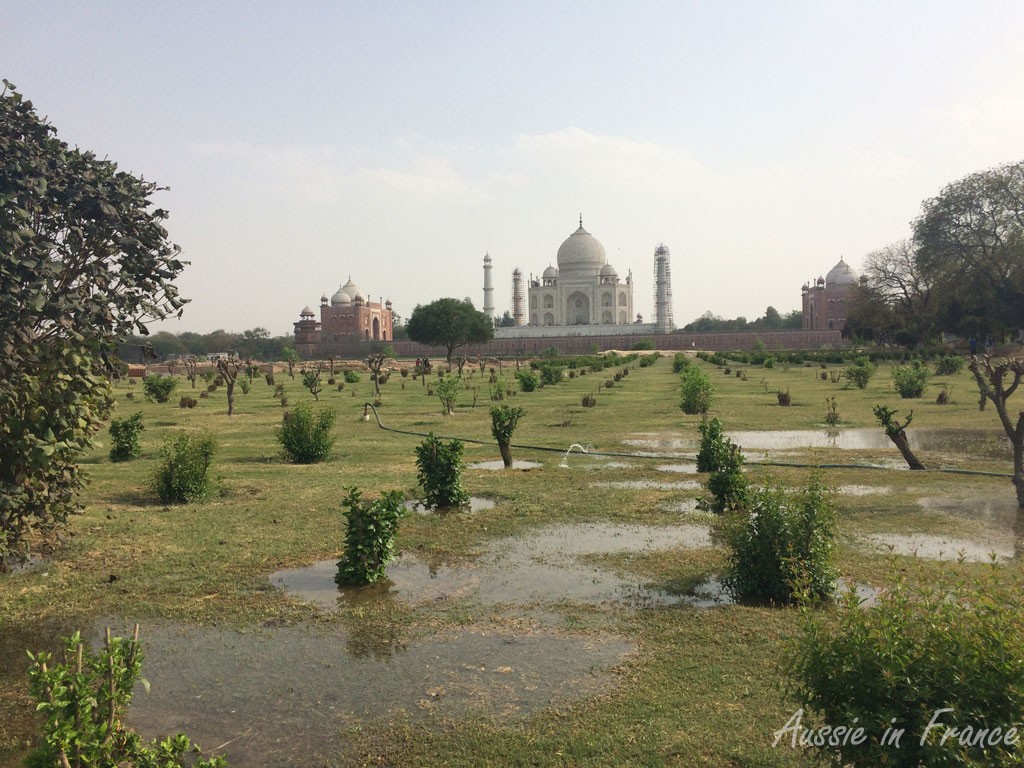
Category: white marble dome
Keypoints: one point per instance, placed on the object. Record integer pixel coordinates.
(340, 298)
(608, 271)
(841, 274)
(581, 254)
(550, 272)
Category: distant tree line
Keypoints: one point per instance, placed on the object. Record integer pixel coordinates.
(770, 321)
(256, 343)
(960, 272)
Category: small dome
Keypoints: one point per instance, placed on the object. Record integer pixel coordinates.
(324, 299)
(608, 271)
(307, 312)
(550, 272)
(841, 274)
(351, 289)
(581, 254)
(340, 298)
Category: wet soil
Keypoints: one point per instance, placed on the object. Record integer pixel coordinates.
(498, 464)
(286, 696)
(476, 504)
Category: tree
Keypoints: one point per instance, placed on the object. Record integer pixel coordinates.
(997, 380)
(229, 367)
(84, 262)
(895, 298)
(449, 323)
(970, 241)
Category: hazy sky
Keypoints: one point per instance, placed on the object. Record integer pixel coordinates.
(398, 142)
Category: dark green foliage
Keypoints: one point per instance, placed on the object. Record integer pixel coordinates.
(949, 366)
(643, 345)
(528, 380)
(504, 419)
(158, 388)
(447, 389)
(782, 544)
(449, 323)
(306, 437)
(124, 438)
(649, 360)
(860, 373)
(87, 261)
(832, 414)
(713, 445)
(439, 471)
(351, 377)
(954, 642)
(183, 474)
(187, 401)
(369, 536)
(696, 390)
(910, 380)
(680, 361)
(84, 699)
(550, 373)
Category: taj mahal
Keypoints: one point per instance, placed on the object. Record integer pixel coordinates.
(582, 296)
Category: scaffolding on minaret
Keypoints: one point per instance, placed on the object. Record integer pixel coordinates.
(663, 290)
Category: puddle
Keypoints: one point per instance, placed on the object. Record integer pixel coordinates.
(654, 443)
(1000, 511)
(287, 696)
(959, 441)
(945, 548)
(989, 443)
(686, 469)
(686, 505)
(498, 464)
(540, 567)
(713, 593)
(658, 485)
(862, 490)
(476, 504)
(408, 580)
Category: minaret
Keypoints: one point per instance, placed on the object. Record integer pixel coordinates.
(488, 288)
(518, 299)
(663, 290)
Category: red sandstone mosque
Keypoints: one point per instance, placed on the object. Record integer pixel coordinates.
(826, 301)
(349, 315)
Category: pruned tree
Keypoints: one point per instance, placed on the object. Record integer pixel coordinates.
(897, 433)
(229, 367)
(375, 362)
(312, 381)
(191, 369)
(998, 379)
(291, 357)
(85, 261)
(449, 323)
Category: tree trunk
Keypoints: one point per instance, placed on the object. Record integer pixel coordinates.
(231, 396)
(901, 442)
(506, 454)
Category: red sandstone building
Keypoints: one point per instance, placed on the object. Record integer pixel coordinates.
(348, 316)
(827, 301)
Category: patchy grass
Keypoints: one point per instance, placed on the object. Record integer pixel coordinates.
(704, 686)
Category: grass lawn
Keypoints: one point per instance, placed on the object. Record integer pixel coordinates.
(671, 683)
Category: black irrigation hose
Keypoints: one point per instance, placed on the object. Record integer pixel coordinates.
(791, 464)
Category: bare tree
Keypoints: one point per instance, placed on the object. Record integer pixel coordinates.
(191, 369)
(375, 362)
(997, 380)
(897, 433)
(229, 367)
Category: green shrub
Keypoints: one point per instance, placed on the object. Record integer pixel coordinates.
(439, 471)
(504, 419)
(188, 401)
(643, 345)
(84, 699)
(351, 377)
(713, 446)
(910, 380)
(305, 437)
(680, 361)
(550, 373)
(528, 380)
(124, 438)
(949, 366)
(447, 389)
(369, 536)
(942, 653)
(183, 473)
(158, 388)
(782, 545)
(727, 484)
(859, 374)
(696, 390)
